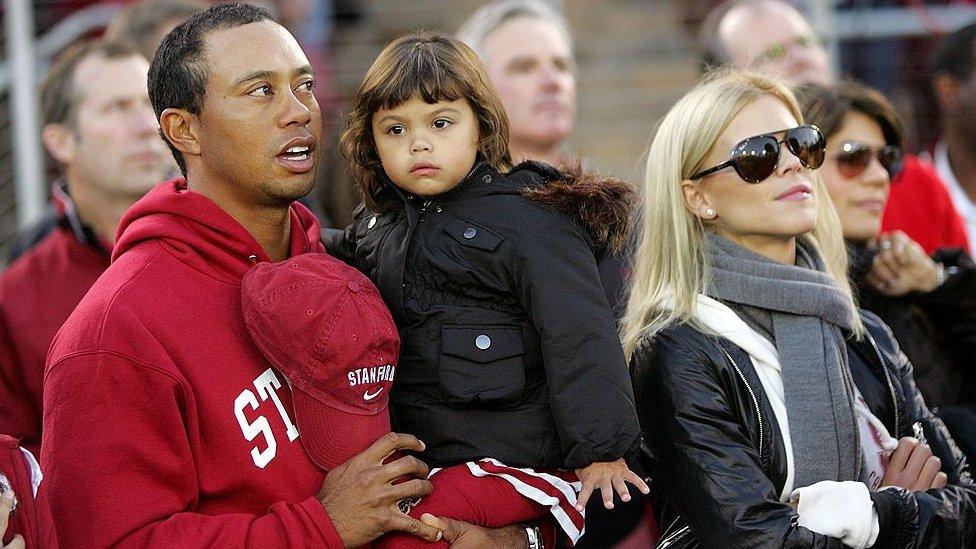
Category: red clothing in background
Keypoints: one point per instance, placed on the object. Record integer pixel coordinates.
(164, 426)
(919, 205)
(31, 518)
(37, 293)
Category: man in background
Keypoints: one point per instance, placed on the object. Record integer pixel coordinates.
(526, 48)
(100, 129)
(954, 83)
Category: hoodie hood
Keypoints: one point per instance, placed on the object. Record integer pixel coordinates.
(603, 206)
(201, 234)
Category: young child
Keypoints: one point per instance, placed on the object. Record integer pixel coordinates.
(511, 370)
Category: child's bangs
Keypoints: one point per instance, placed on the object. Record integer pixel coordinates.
(422, 75)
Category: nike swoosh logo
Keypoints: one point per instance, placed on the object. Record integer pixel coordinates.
(367, 396)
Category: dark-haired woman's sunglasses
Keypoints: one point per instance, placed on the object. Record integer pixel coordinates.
(755, 158)
(854, 157)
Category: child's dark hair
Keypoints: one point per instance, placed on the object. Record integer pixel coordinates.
(435, 67)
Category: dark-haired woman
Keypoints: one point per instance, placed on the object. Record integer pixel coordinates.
(928, 301)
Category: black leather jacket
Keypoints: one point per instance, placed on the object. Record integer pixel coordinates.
(716, 455)
(509, 349)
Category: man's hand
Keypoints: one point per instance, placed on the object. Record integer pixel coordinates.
(6, 505)
(607, 476)
(902, 266)
(361, 499)
(914, 468)
(462, 535)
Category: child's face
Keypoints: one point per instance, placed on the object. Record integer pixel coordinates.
(426, 149)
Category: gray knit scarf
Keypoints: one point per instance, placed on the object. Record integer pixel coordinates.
(804, 311)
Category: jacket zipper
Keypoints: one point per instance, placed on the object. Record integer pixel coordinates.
(891, 385)
(682, 532)
(755, 402)
(673, 538)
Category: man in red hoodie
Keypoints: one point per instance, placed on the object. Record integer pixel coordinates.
(164, 425)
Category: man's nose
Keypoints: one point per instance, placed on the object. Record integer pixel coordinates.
(551, 78)
(296, 112)
(144, 121)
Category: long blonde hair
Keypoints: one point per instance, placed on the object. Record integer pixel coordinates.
(671, 262)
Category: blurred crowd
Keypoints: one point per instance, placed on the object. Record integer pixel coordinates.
(905, 223)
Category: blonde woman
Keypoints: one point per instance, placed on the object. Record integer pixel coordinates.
(775, 413)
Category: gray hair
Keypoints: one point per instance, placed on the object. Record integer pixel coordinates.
(489, 17)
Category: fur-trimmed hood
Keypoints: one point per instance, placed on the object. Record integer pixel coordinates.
(602, 205)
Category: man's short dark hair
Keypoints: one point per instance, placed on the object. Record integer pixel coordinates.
(178, 74)
(58, 88)
(956, 54)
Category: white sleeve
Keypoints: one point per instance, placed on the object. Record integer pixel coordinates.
(841, 510)
(35, 469)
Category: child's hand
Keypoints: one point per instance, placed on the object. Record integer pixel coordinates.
(607, 475)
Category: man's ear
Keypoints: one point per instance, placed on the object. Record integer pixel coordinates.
(181, 129)
(946, 91)
(695, 200)
(60, 142)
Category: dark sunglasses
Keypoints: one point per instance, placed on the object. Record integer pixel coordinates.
(854, 157)
(755, 158)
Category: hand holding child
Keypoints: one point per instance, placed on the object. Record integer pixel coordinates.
(608, 476)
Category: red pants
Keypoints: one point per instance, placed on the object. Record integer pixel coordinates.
(488, 501)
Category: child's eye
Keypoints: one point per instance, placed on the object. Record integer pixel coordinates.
(395, 130)
(261, 91)
(442, 123)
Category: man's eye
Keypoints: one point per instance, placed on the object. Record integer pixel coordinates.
(261, 91)
(395, 130)
(442, 123)
(307, 86)
(522, 67)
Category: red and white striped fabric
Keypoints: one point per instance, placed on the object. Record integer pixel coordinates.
(556, 490)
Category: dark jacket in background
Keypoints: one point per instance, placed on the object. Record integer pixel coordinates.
(716, 455)
(509, 348)
(937, 330)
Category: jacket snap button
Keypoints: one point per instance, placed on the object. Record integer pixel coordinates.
(372, 221)
(482, 342)
(486, 179)
(470, 233)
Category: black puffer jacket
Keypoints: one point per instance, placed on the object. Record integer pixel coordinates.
(508, 348)
(717, 460)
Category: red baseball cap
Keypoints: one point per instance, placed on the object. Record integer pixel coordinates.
(324, 325)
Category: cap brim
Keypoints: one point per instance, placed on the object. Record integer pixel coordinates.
(330, 436)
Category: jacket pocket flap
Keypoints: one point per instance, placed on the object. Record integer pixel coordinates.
(475, 236)
(482, 344)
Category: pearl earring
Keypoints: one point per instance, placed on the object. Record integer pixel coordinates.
(709, 213)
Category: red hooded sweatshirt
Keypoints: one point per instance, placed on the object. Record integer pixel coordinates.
(164, 426)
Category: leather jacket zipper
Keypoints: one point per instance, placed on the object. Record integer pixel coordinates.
(670, 539)
(891, 385)
(674, 537)
(755, 402)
